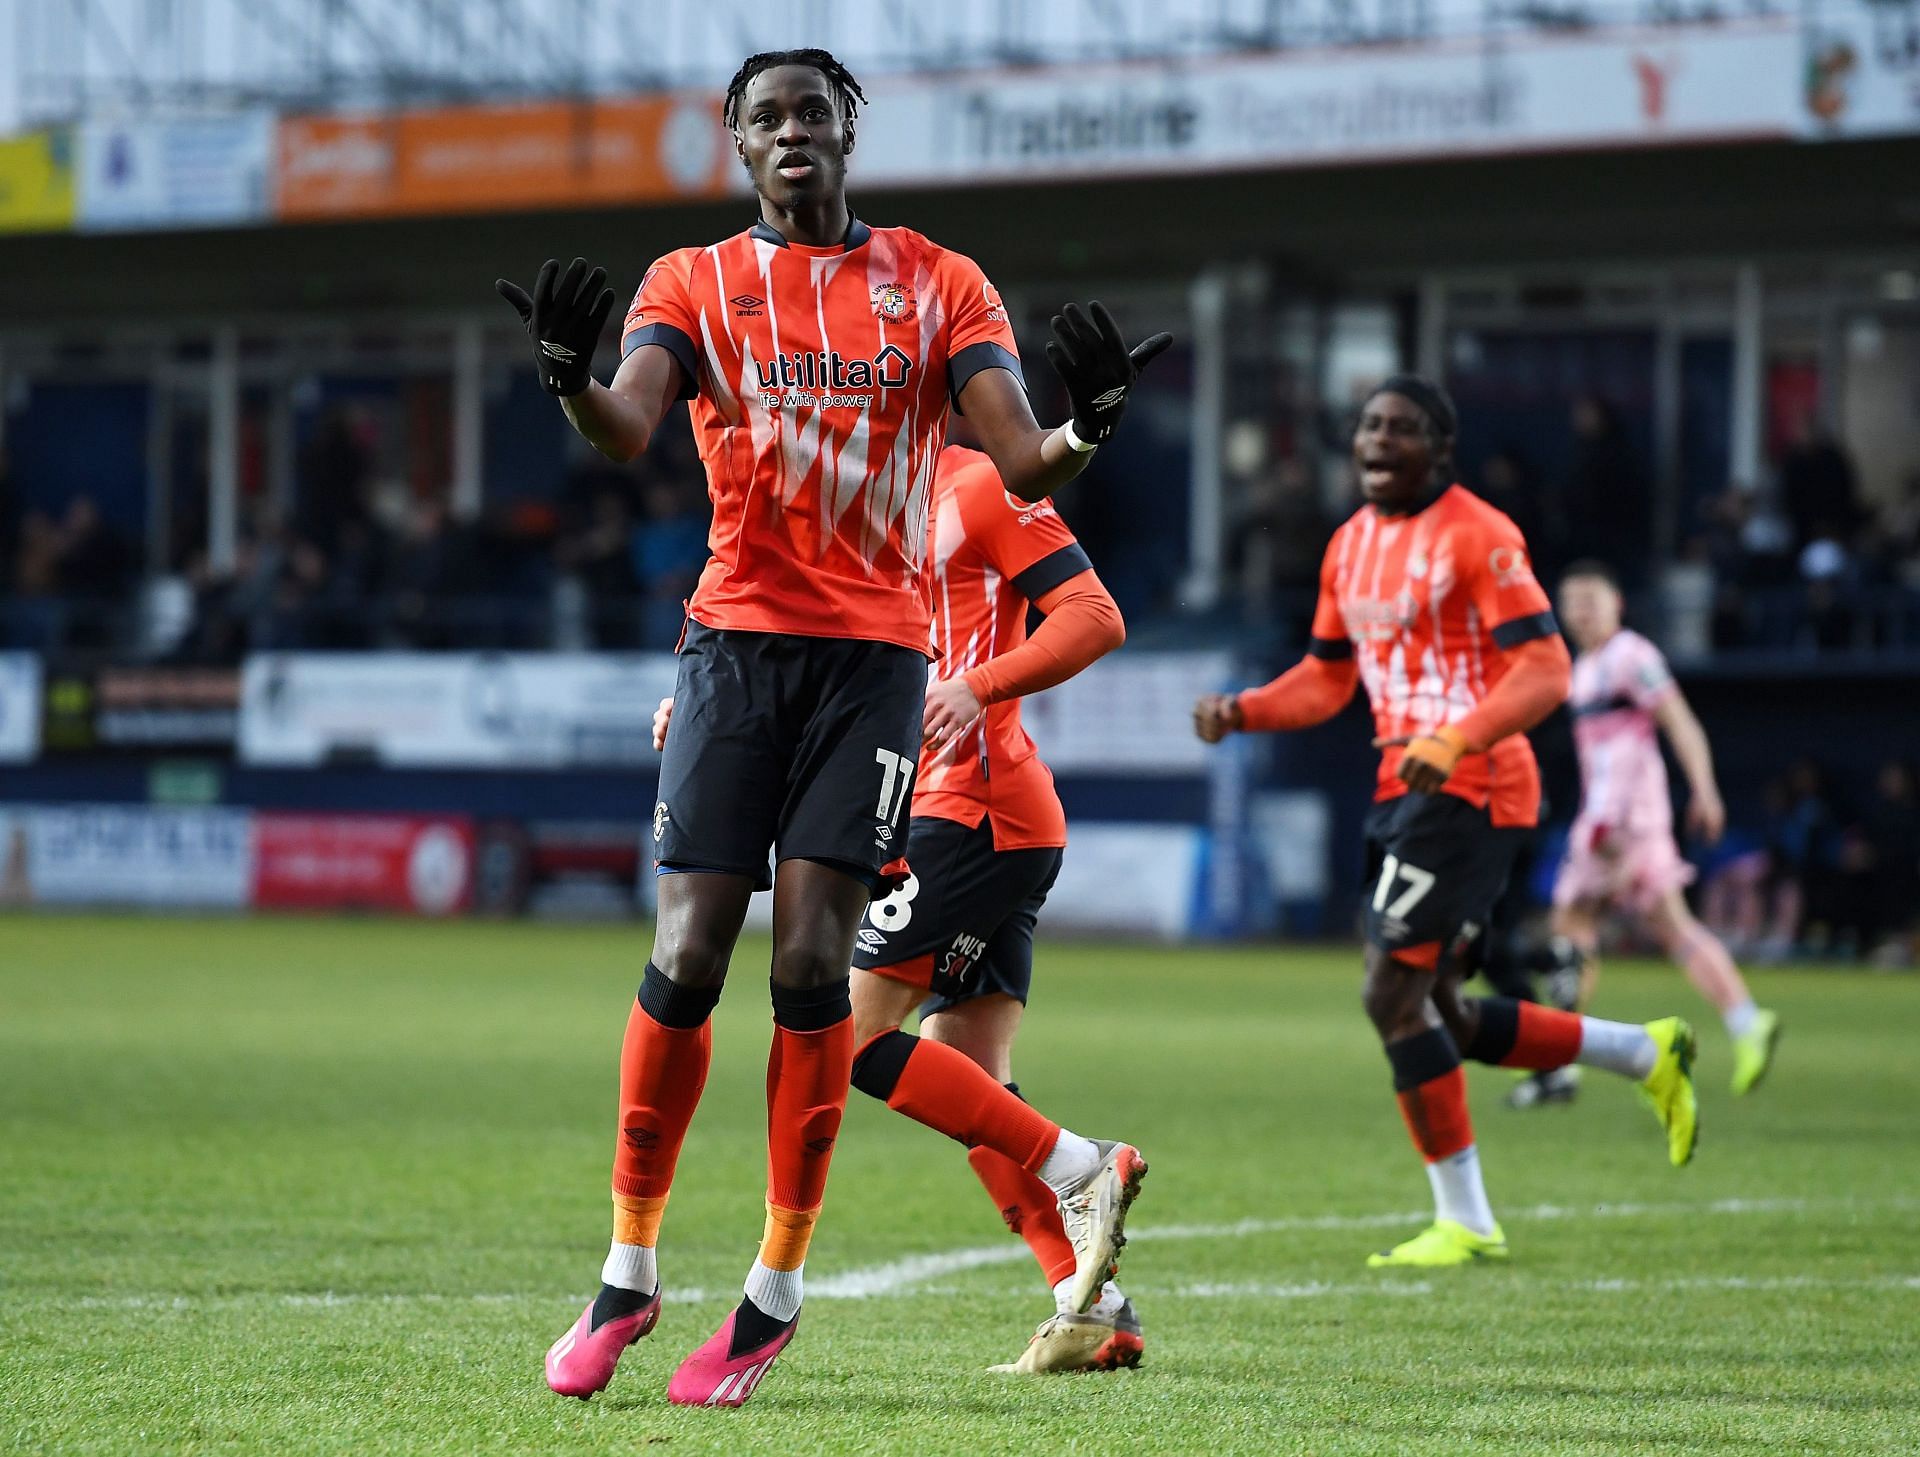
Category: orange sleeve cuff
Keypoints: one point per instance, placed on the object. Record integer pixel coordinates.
(1312, 691)
(1082, 625)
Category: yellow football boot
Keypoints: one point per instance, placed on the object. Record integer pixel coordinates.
(1753, 1052)
(1442, 1243)
(1668, 1089)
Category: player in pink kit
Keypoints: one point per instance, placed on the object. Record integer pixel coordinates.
(1621, 854)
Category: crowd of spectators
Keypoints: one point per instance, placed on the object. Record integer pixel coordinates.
(1805, 563)
(1824, 876)
(361, 561)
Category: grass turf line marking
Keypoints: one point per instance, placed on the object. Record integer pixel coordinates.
(903, 1276)
(1387, 1286)
(896, 1276)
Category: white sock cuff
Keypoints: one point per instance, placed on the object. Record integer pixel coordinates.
(1072, 1159)
(1739, 1019)
(631, 1267)
(777, 1292)
(1621, 1047)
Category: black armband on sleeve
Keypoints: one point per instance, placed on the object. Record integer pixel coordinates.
(976, 357)
(676, 343)
(1051, 570)
(1526, 629)
(1330, 649)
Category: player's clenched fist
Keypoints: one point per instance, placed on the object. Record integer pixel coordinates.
(565, 314)
(662, 716)
(1216, 715)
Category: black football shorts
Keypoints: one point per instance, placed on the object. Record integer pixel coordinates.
(962, 924)
(800, 746)
(1435, 867)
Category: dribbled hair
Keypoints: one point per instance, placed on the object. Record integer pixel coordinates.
(846, 90)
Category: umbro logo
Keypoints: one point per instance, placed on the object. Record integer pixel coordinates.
(556, 351)
(746, 306)
(871, 939)
(819, 1145)
(642, 1138)
(1111, 398)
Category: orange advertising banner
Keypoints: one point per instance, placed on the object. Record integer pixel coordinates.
(502, 158)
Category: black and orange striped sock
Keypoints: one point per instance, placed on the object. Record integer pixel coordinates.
(1432, 1090)
(1523, 1034)
(948, 1091)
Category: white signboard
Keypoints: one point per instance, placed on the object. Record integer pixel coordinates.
(185, 172)
(1863, 67)
(1646, 87)
(448, 710)
(128, 855)
(19, 707)
(1131, 713)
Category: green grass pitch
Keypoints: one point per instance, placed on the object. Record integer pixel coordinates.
(328, 1186)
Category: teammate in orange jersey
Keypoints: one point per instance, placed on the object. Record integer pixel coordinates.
(1426, 596)
(822, 357)
(987, 834)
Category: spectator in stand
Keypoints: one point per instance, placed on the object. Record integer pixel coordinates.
(94, 560)
(1276, 544)
(335, 474)
(1507, 481)
(428, 570)
(1805, 844)
(599, 556)
(1818, 487)
(1607, 505)
(1884, 879)
(668, 551)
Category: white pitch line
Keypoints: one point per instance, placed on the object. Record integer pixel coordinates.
(1388, 1287)
(896, 1276)
(905, 1275)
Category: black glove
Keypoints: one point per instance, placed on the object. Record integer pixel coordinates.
(1093, 361)
(565, 318)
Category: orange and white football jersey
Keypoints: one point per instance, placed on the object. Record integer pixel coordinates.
(1432, 603)
(820, 381)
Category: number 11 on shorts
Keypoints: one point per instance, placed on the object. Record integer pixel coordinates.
(896, 780)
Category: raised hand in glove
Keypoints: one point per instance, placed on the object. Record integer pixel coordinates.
(564, 314)
(1096, 366)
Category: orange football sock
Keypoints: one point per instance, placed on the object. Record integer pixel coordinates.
(948, 1091)
(1432, 1090)
(807, 1071)
(1030, 1210)
(1524, 1034)
(663, 1069)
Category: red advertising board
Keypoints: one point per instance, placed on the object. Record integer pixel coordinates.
(421, 864)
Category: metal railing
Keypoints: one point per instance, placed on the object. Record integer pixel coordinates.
(63, 60)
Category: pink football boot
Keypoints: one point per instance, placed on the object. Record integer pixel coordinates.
(715, 1375)
(581, 1362)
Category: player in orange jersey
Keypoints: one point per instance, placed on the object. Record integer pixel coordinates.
(822, 357)
(1427, 597)
(987, 834)
(987, 837)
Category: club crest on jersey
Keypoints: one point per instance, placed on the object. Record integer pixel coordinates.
(893, 302)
